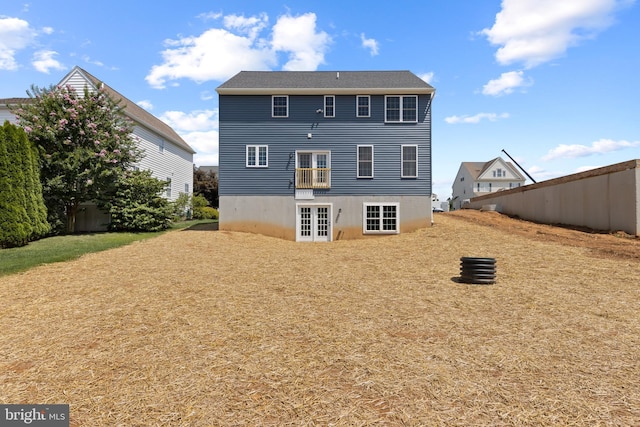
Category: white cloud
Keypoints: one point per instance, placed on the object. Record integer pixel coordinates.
(249, 26)
(214, 55)
(506, 83)
(206, 146)
(146, 104)
(597, 147)
(370, 44)
(492, 117)
(297, 35)
(15, 34)
(88, 60)
(533, 32)
(47, 30)
(427, 77)
(197, 120)
(200, 130)
(44, 61)
(219, 53)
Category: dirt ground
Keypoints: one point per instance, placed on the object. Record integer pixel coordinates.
(616, 244)
(214, 328)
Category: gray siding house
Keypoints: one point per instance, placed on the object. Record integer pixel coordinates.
(325, 155)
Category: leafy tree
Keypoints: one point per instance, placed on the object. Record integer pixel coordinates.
(85, 146)
(137, 204)
(206, 184)
(22, 212)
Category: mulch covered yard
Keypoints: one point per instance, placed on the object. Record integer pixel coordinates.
(212, 328)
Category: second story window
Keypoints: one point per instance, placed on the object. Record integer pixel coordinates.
(257, 156)
(329, 106)
(401, 108)
(409, 161)
(365, 161)
(280, 106)
(362, 106)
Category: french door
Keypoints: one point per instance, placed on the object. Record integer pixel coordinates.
(313, 223)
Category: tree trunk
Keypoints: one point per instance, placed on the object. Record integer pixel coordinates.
(72, 210)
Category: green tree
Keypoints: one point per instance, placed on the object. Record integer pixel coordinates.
(138, 205)
(205, 184)
(22, 211)
(85, 146)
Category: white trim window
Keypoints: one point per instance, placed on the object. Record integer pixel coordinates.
(161, 145)
(329, 106)
(401, 109)
(363, 106)
(280, 106)
(168, 188)
(365, 161)
(409, 161)
(381, 218)
(257, 156)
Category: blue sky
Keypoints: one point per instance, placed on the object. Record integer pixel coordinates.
(554, 83)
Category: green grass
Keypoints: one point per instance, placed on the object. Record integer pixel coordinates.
(65, 248)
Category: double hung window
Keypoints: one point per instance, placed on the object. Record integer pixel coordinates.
(363, 103)
(280, 106)
(168, 188)
(365, 161)
(409, 161)
(329, 106)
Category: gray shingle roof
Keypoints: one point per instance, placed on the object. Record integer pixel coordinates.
(327, 82)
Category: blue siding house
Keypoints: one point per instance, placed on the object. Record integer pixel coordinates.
(325, 155)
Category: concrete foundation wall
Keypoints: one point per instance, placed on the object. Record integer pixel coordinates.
(276, 215)
(605, 199)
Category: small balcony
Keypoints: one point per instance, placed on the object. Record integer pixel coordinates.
(313, 178)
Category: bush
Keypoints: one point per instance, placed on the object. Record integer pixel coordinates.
(138, 206)
(181, 206)
(205, 212)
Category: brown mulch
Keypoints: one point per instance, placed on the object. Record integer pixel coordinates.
(614, 244)
(214, 328)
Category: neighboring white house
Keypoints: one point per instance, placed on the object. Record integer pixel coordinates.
(479, 178)
(165, 153)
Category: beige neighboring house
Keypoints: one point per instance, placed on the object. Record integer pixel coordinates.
(165, 153)
(480, 178)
